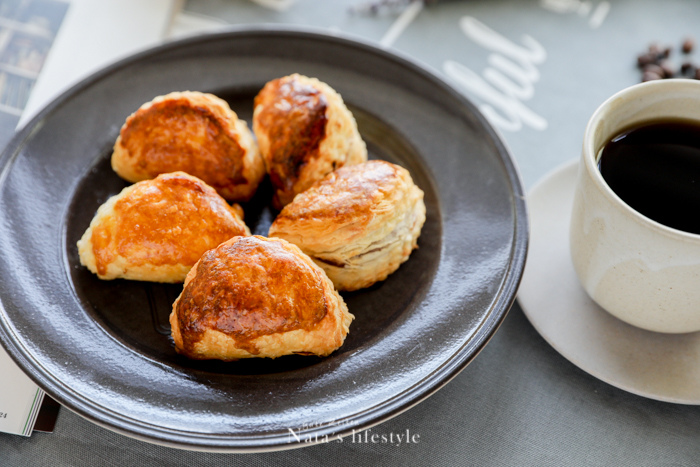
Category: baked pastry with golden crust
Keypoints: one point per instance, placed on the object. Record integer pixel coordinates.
(257, 297)
(359, 223)
(195, 133)
(155, 230)
(304, 132)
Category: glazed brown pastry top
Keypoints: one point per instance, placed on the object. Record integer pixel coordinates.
(193, 132)
(359, 223)
(250, 287)
(304, 131)
(351, 196)
(294, 117)
(171, 219)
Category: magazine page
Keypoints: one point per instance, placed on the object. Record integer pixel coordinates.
(45, 47)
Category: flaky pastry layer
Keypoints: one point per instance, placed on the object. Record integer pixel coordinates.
(257, 297)
(304, 131)
(359, 223)
(193, 132)
(156, 230)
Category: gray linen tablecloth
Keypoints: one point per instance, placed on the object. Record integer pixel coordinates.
(519, 403)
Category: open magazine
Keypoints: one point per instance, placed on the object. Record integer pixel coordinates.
(27, 31)
(46, 46)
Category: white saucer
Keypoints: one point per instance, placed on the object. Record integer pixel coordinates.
(664, 367)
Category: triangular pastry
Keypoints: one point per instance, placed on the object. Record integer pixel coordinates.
(192, 132)
(257, 297)
(304, 132)
(155, 230)
(359, 223)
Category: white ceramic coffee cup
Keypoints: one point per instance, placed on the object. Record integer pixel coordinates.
(643, 272)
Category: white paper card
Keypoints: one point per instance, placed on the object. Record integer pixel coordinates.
(20, 398)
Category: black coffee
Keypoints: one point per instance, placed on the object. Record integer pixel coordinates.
(655, 169)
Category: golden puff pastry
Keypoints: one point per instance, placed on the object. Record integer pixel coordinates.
(359, 223)
(156, 230)
(304, 132)
(257, 297)
(195, 133)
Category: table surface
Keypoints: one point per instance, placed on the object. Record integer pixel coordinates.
(519, 402)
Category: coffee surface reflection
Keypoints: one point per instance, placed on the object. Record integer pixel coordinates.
(655, 169)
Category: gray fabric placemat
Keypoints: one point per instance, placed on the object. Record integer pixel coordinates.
(518, 404)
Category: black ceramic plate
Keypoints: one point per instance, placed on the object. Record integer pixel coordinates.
(102, 348)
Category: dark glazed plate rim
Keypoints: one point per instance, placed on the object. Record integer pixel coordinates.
(392, 406)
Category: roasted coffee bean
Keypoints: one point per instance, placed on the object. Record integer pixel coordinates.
(650, 76)
(645, 59)
(668, 68)
(688, 45)
(654, 68)
(655, 63)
